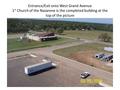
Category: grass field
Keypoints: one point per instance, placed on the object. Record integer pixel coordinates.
(16, 45)
(66, 52)
(91, 35)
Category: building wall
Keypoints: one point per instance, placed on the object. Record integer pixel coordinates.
(36, 38)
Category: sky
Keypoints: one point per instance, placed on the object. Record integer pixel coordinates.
(92, 20)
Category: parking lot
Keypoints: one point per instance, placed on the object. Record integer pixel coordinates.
(63, 75)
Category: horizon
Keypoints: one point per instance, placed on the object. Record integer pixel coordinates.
(84, 20)
(87, 20)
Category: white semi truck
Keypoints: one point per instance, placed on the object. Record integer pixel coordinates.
(38, 67)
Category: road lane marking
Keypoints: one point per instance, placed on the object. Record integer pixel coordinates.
(33, 55)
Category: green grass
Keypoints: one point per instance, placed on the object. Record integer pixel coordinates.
(16, 45)
(66, 52)
(91, 35)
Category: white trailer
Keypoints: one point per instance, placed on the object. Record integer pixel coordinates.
(110, 49)
(38, 67)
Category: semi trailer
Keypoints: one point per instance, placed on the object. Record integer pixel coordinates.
(39, 67)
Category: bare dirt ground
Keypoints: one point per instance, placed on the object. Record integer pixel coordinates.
(87, 57)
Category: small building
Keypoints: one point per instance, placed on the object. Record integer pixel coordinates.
(100, 55)
(83, 29)
(41, 36)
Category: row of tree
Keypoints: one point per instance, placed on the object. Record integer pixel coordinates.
(105, 37)
(24, 25)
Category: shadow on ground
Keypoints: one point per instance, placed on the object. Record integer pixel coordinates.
(41, 71)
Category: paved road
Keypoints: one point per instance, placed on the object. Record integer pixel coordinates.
(64, 74)
(107, 76)
(48, 49)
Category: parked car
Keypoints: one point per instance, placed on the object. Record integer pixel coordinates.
(107, 57)
(84, 75)
(100, 55)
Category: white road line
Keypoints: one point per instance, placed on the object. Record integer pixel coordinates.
(32, 55)
(14, 58)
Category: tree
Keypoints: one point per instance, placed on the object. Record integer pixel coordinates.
(104, 37)
(60, 31)
(23, 25)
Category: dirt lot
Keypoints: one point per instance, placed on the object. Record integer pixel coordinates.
(87, 57)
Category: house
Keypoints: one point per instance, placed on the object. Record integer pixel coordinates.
(41, 36)
(100, 55)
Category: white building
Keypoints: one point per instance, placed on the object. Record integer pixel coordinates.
(41, 36)
(110, 49)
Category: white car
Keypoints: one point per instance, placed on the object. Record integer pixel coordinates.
(84, 75)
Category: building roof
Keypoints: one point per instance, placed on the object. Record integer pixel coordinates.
(41, 34)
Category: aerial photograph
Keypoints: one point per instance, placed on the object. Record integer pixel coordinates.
(59, 52)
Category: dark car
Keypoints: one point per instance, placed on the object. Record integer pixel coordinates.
(84, 75)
